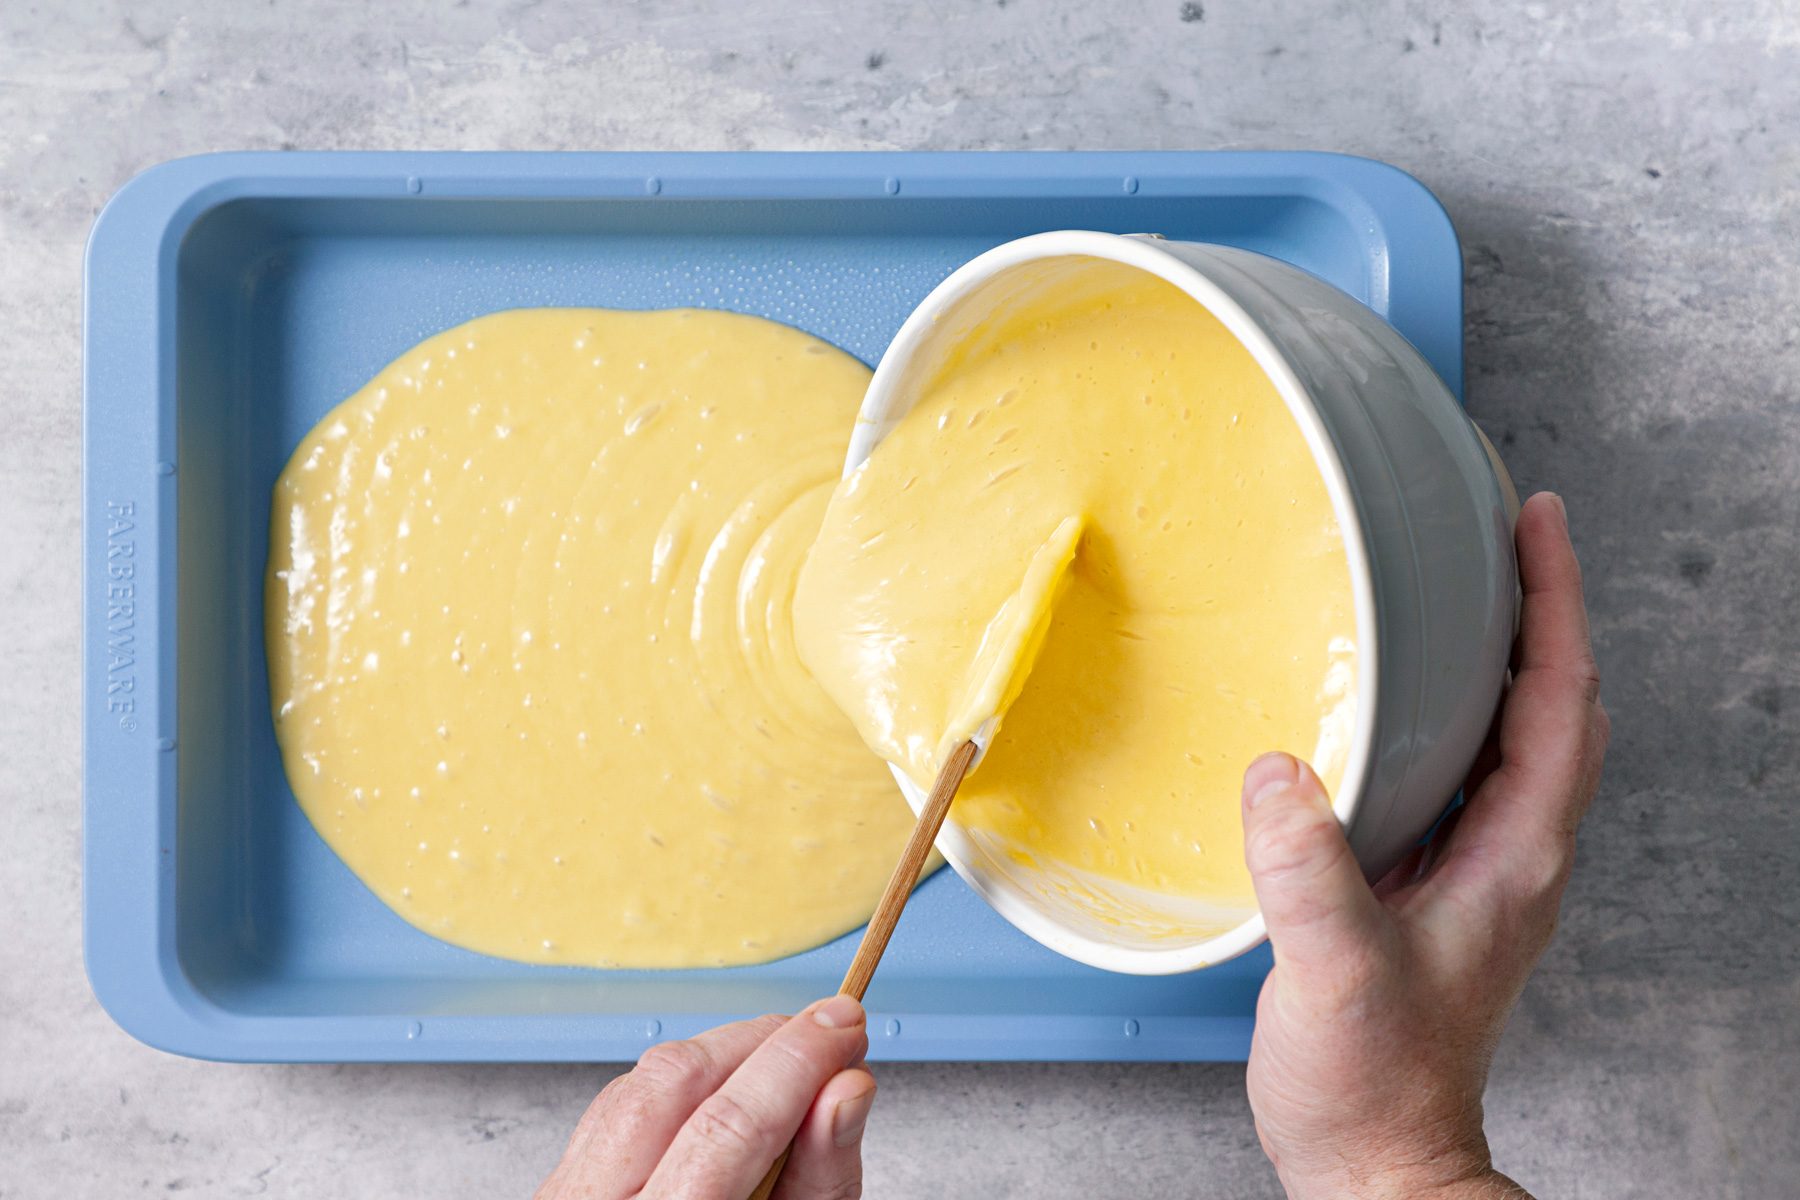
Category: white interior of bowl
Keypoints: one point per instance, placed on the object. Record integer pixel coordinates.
(1087, 917)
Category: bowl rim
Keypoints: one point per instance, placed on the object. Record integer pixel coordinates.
(1143, 251)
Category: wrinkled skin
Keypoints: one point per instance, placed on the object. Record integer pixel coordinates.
(1374, 1032)
(704, 1118)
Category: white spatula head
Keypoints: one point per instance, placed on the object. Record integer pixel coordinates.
(1010, 644)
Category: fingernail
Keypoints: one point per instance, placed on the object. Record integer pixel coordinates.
(839, 1012)
(1267, 775)
(851, 1115)
(1562, 510)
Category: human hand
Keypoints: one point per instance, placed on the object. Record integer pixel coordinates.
(703, 1119)
(1376, 1028)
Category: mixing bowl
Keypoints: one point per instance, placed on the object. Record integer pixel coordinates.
(1426, 512)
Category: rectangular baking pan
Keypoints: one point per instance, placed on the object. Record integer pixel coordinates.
(232, 299)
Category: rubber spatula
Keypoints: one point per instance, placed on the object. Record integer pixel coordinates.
(1008, 648)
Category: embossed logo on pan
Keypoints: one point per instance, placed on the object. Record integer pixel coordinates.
(120, 578)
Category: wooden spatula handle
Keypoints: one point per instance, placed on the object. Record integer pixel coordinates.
(906, 872)
(893, 902)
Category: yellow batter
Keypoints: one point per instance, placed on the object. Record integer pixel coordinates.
(1209, 614)
(531, 647)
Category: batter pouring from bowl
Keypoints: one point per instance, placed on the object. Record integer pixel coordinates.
(1374, 1031)
(1209, 612)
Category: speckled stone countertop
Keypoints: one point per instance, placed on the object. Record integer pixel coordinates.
(1626, 180)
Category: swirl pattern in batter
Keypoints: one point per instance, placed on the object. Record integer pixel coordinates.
(531, 645)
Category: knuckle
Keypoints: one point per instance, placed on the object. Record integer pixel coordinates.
(611, 1090)
(1580, 676)
(842, 1181)
(622, 1103)
(1291, 844)
(1525, 933)
(1539, 879)
(671, 1068)
(724, 1122)
(1587, 671)
(612, 1096)
(794, 1052)
(847, 1188)
(1484, 914)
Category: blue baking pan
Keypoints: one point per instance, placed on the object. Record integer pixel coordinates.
(233, 299)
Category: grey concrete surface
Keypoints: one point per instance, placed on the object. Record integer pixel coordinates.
(1626, 178)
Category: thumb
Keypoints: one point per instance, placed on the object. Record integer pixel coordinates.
(1317, 905)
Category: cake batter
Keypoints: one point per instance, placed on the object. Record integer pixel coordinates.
(1209, 615)
(531, 646)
